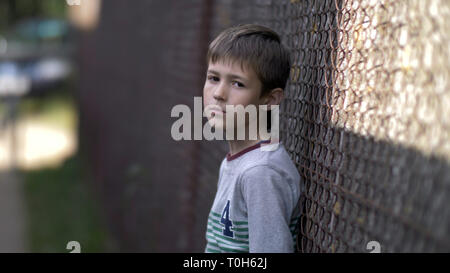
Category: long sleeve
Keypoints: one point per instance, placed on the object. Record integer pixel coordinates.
(269, 198)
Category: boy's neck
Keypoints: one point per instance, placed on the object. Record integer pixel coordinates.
(235, 146)
(238, 145)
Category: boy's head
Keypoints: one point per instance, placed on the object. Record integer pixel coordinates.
(247, 64)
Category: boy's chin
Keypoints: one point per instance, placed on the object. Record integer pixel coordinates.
(217, 124)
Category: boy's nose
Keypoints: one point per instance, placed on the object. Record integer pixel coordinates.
(220, 93)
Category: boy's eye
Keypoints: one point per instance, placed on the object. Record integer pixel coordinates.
(213, 78)
(238, 84)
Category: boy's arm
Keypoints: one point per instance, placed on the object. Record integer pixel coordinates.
(269, 200)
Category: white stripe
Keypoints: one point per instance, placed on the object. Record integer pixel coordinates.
(229, 244)
(240, 241)
(213, 247)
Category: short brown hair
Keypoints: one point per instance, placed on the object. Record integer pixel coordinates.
(257, 46)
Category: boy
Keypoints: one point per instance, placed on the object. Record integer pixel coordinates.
(256, 204)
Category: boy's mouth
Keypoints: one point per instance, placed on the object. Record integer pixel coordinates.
(215, 109)
(218, 111)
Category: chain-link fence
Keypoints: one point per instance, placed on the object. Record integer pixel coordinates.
(366, 119)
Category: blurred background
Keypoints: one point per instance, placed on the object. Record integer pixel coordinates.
(87, 87)
(46, 197)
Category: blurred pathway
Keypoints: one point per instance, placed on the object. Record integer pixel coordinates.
(12, 214)
(38, 144)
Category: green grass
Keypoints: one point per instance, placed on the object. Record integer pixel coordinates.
(58, 109)
(61, 208)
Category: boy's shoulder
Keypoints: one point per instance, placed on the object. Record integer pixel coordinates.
(267, 168)
(269, 153)
(264, 160)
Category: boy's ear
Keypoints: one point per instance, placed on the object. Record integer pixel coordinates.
(274, 97)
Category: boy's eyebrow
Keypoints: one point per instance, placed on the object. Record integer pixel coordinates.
(231, 75)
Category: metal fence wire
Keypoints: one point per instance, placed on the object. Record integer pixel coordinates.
(366, 119)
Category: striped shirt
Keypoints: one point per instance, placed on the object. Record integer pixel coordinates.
(256, 207)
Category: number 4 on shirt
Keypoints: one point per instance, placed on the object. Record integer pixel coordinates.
(225, 220)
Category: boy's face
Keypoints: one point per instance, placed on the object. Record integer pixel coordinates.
(227, 84)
